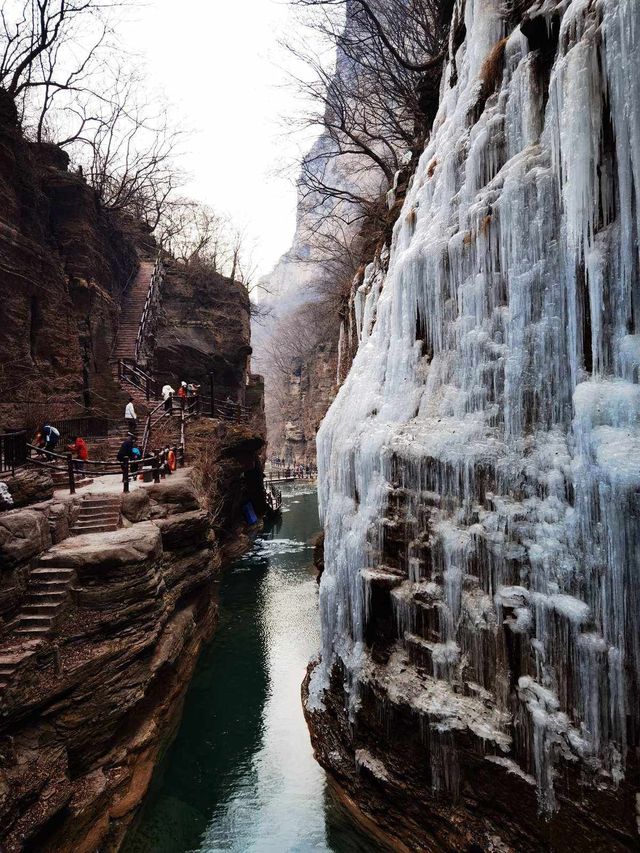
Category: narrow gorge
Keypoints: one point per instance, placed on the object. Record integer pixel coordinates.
(429, 642)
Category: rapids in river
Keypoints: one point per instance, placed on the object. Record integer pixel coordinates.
(240, 775)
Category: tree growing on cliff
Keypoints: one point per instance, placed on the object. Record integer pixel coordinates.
(376, 103)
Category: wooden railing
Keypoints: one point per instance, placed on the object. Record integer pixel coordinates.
(227, 410)
(157, 277)
(154, 464)
(153, 419)
(13, 450)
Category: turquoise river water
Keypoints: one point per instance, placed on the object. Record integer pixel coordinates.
(240, 775)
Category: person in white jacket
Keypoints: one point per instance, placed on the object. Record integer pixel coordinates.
(130, 417)
(167, 395)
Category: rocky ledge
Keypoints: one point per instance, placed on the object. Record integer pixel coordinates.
(91, 706)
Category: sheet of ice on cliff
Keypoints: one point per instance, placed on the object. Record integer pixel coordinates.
(501, 372)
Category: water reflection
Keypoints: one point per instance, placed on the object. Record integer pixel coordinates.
(240, 775)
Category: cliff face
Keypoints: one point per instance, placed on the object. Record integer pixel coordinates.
(297, 412)
(85, 720)
(204, 331)
(478, 686)
(64, 264)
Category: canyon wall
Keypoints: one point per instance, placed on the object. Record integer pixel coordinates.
(87, 716)
(89, 702)
(203, 330)
(478, 682)
(64, 263)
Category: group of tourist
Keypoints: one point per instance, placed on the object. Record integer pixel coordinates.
(185, 391)
(48, 436)
(295, 469)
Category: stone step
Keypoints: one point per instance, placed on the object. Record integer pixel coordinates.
(99, 515)
(48, 587)
(96, 528)
(44, 609)
(14, 658)
(110, 523)
(57, 596)
(33, 630)
(51, 573)
(34, 621)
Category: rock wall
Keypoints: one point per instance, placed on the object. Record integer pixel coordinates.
(478, 684)
(204, 331)
(64, 263)
(295, 416)
(86, 718)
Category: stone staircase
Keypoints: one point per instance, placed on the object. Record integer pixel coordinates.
(46, 596)
(11, 661)
(61, 480)
(98, 514)
(132, 312)
(48, 589)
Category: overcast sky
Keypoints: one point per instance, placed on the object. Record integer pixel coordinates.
(219, 62)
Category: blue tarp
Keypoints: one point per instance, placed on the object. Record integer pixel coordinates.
(250, 513)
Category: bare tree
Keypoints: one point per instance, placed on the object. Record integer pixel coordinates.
(49, 48)
(375, 104)
(128, 150)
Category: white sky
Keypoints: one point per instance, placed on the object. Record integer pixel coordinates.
(219, 63)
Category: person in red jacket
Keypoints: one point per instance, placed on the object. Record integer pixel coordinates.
(79, 447)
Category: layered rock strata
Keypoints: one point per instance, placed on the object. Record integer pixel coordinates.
(86, 716)
(64, 263)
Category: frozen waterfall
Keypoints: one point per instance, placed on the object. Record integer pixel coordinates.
(498, 370)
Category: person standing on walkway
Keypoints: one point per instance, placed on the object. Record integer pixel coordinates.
(131, 418)
(51, 437)
(182, 394)
(79, 447)
(167, 396)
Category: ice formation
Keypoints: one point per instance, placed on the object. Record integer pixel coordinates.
(498, 368)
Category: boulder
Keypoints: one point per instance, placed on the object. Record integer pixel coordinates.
(105, 551)
(30, 486)
(172, 496)
(136, 505)
(23, 534)
(184, 530)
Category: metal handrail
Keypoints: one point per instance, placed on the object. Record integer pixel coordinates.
(13, 450)
(157, 277)
(146, 383)
(128, 468)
